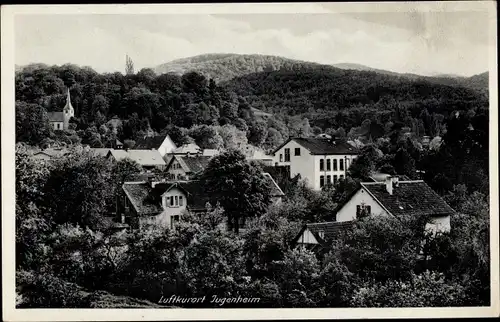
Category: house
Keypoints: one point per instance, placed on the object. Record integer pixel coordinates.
(183, 167)
(100, 151)
(163, 202)
(50, 153)
(190, 149)
(163, 144)
(319, 236)
(394, 197)
(259, 156)
(147, 159)
(318, 160)
(60, 120)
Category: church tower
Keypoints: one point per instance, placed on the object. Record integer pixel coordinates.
(68, 111)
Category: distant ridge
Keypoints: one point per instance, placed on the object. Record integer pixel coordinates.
(223, 67)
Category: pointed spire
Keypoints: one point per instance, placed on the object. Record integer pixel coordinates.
(68, 99)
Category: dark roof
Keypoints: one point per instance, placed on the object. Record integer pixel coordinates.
(413, 198)
(55, 116)
(147, 200)
(139, 196)
(331, 231)
(323, 146)
(149, 142)
(194, 164)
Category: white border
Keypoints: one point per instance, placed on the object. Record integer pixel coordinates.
(8, 177)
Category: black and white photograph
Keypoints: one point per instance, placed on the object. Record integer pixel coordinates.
(208, 158)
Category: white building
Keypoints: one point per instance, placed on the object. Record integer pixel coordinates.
(163, 144)
(60, 120)
(398, 198)
(318, 160)
(391, 197)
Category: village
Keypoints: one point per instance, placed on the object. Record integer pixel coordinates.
(168, 186)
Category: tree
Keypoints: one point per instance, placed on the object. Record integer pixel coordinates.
(32, 123)
(129, 66)
(238, 186)
(78, 189)
(206, 136)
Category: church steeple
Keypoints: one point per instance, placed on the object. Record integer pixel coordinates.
(68, 108)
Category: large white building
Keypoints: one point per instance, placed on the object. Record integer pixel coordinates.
(318, 160)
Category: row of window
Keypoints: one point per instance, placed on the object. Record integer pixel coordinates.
(329, 163)
(175, 201)
(287, 154)
(336, 178)
(176, 166)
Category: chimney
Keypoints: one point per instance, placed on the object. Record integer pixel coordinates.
(391, 182)
(388, 184)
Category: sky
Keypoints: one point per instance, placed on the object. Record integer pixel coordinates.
(425, 43)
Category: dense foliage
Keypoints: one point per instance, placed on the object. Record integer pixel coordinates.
(65, 257)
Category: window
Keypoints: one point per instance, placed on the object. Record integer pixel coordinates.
(174, 220)
(328, 165)
(335, 179)
(328, 179)
(281, 157)
(287, 155)
(341, 164)
(321, 165)
(334, 164)
(171, 201)
(321, 181)
(181, 201)
(297, 151)
(363, 211)
(176, 200)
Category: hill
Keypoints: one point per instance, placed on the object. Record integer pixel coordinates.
(321, 93)
(223, 67)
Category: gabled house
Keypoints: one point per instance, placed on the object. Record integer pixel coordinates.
(320, 160)
(148, 159)
(185, 167)
(394, 197)
(163, 144)
(163, 202)
(320, 236)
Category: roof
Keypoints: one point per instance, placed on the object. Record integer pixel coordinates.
(193, 164)
(210, 152)
(275, 189)
(143, 157)
(55, 116)
(100, 151)
(150, 142)
(147, 200)
(414, 198)
(380, 177)
(260, 155)
(331, 230)
(187, 148)
(320, 146)
(53, 152)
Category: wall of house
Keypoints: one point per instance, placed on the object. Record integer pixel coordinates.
(302, 164)
(307, 238)
(438, 224)
(57, 125)
(348, 211)
(175, 170)
(167, 146)
(348, 159)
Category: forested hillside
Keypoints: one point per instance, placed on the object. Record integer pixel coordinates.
(222, 67)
